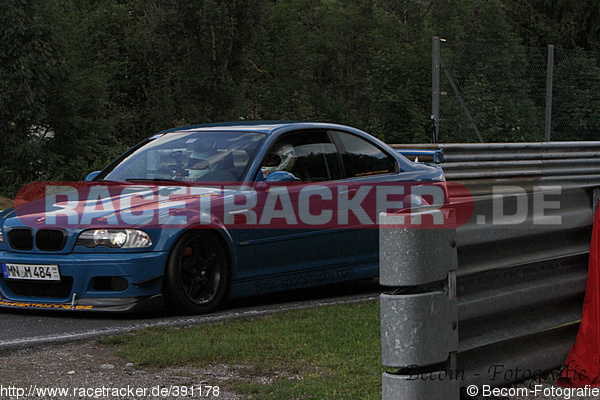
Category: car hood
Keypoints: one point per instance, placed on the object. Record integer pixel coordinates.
(110, 206)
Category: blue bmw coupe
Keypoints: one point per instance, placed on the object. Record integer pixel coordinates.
(193, 215)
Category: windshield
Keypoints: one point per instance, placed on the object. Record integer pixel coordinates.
(189, 157)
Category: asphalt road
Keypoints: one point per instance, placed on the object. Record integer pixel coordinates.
(25, 328)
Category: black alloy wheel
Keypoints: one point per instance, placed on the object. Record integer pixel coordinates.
(197, 274)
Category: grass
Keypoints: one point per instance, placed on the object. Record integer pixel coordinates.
(331, 352)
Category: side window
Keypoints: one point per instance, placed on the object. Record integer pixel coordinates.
(361, 158)
(309, 155)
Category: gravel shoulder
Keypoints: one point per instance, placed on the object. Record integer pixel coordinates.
(91, 371)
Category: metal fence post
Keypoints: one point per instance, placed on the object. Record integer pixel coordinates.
(549, 79)
(419, 320)
(435, 95)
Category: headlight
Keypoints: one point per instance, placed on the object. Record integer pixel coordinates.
(1, 237)
(115, 238)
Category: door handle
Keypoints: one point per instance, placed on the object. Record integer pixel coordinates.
(348, 192)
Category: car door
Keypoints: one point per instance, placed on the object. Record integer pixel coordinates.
(307, 238)
(368, 169)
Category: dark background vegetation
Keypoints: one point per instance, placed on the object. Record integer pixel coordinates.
(82, 80)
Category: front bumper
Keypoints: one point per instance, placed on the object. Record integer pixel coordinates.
(107, 304)
(80, 286)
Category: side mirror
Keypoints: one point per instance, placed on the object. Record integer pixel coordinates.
(91, 176)
(281, 176)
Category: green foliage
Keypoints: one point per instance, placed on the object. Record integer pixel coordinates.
(564, 23)
(82, 80)
(505, 90)
(575, 101)
(29, 67)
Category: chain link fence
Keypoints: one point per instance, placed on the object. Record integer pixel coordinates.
(515, 94)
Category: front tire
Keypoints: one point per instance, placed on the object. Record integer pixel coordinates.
(197, 274)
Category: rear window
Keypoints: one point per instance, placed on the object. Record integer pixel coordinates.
(362, 158)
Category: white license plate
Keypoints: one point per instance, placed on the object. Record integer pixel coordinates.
(33, 272)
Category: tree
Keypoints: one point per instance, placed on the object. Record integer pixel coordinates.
(29, 70)
(568, 24)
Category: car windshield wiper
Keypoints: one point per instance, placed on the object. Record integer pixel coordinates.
(157, 180)
(110, 182)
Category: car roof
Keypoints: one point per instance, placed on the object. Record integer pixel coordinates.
(267, 127)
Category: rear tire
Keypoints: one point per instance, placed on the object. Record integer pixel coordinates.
(197, 273)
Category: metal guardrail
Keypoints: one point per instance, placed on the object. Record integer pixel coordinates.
(498, 299)
(480, 166)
